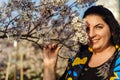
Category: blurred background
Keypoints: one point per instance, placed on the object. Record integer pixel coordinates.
(24, 57)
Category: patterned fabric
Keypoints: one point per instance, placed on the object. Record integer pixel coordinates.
(116, 69)
(78, 69)
(76, 65)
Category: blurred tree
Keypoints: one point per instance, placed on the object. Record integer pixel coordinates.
(49, 20)
(25, 19)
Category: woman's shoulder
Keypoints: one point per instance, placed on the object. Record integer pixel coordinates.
(116, 67)
(81, 58)
(117, 60)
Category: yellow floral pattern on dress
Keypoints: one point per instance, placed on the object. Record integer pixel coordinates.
(114, 77)
(79, 61)
(69, 78)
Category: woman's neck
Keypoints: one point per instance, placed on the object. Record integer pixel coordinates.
(109, 50)
(98, 58)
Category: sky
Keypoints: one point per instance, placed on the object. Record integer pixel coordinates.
(1, 1)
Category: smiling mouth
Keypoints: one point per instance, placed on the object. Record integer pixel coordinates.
(94, 41)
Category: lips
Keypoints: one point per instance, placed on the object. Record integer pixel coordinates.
(94, 41)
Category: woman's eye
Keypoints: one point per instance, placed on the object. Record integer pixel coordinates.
(99, 27)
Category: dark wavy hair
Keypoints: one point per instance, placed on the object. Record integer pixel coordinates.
(109, 18)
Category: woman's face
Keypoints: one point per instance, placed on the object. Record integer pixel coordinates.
(98, 32)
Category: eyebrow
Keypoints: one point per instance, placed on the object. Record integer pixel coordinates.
(95, 25)
(98, 24)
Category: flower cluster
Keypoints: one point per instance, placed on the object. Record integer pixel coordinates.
(80, 27)
(70, 34)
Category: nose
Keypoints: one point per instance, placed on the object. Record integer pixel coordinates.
(91, 33)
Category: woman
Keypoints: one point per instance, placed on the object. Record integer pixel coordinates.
(100, 59)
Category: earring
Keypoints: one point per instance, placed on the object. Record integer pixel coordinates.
(117, 47)
(90, 49)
